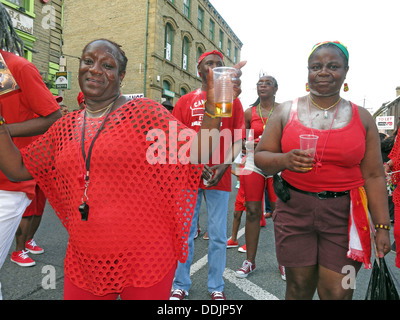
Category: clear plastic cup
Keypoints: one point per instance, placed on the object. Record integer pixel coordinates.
(308, 142)
(223, 90)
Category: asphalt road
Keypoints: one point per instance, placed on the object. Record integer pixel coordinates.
(44, 281)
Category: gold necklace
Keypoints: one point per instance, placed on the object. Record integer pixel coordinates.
(323, 109)
(270, 112)
(104, 110)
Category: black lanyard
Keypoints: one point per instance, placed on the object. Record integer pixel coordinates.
(89, 155)
(84, 208)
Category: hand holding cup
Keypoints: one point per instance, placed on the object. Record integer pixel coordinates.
(308, 143)
(223, 88)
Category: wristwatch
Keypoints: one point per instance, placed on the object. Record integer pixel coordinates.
(2, 121)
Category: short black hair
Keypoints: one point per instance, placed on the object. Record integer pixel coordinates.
(122, 59)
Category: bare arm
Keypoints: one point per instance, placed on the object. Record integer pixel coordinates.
(217, 171)
(11, 163)
(375, 182)
(203, 146)
(33, 127)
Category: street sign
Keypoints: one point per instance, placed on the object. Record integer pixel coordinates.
(63, 80)
(385, 123)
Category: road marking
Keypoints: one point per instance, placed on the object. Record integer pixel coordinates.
(245, 285)
(198, 265)
(203, 261)
(248, 287)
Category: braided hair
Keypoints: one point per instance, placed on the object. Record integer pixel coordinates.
(9, 39)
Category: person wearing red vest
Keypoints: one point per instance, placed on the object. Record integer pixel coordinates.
(321, 221)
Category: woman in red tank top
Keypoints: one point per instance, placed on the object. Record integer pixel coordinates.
(253, 179)
(323, 225)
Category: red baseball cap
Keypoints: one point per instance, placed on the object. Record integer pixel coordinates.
(208, 53)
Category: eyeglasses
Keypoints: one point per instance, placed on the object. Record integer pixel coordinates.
(265, 83)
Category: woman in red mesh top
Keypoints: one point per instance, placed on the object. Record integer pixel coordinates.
(108, 171)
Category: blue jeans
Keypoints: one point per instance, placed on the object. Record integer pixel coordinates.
(217, 208)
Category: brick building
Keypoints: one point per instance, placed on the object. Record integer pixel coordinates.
(390, 109)
(161, 38)
(39, 24)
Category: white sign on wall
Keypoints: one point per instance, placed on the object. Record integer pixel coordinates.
(385, 123)
(21, 21)
(134, 95)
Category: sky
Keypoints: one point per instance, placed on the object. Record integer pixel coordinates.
(278, 36)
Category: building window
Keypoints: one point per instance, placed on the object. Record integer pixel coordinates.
(185, 53)
(221, 40)
(228, 49)
(235, 58)
(198, 54)
(200, 19)
(28, 5)
(167, 94)
(211, 30)
(19, 3)
(183, 91)
(169, 34)
(186, 8)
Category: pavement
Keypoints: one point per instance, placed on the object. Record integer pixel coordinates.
(44, 281)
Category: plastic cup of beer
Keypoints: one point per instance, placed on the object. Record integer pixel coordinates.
(223, 91)
(308, 142)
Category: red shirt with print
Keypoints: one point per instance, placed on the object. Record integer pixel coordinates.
(190, 111)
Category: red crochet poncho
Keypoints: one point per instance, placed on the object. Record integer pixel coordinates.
(140, 213)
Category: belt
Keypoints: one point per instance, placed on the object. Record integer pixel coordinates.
(321, 195)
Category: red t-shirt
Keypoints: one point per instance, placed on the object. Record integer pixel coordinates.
(341, 158)
(33, 99)
(189, 110)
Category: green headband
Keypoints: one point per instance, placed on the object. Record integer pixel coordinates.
(338, 44)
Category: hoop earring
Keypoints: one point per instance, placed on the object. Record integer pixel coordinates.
(307, 88)
(346, 87)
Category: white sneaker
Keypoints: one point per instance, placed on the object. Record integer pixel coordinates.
(282, 271)
(218, 295)
(178, 294)
(246, 268)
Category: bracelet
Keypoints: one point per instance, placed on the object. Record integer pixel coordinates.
(213, 116)
(387, 164)
(2, 121)
(382, 226)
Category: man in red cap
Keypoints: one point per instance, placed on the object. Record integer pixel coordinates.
(206, 54)
(190, 110)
